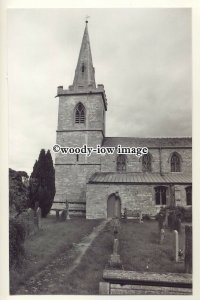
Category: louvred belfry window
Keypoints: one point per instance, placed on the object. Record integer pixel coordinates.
(146, 163)
(175, 163)
(80, 114)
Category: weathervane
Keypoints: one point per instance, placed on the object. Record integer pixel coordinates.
(86, 19)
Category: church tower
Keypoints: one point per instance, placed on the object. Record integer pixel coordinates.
(81, 121)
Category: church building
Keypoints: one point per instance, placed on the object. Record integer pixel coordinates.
(102, 186)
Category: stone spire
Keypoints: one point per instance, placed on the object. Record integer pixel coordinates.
(84, 74)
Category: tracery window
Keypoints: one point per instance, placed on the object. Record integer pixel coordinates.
(175, 163)
(121, 162)
(80, 114)
(160, 195)
(146, 163)
(188, 195)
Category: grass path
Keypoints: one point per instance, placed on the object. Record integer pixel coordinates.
(53, 277)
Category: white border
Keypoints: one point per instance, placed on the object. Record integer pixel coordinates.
(195, 4)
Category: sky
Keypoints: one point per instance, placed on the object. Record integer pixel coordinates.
(143, 56)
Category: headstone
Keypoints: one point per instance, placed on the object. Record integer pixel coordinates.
(115, 246)
(140, 217)
(116, 226)
(115, 261)
(176, 245)
(57, 215)
(162, 235)
(178, 224)
(64, 215)
(161, 218)
(125, 214)
(166, 218)
(31, 221)
(67, 210)
(39, 215)
(188, 248)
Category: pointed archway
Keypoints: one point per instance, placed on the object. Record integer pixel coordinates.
(113, 206)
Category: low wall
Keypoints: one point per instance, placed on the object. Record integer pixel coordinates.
(120, 282)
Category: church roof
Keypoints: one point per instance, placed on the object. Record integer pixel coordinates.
(168, 142)
(140, 178)
(84, 74)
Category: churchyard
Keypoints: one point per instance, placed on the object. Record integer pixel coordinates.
(77, 252)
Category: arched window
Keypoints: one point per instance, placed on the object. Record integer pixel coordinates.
(188, 195)
(80, 114)
(146, 162)
(160, 195)
(175, 162)
(121, 162)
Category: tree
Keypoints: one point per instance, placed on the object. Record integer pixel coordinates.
(42, 182)
(18, 192)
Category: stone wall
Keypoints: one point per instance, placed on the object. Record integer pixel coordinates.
(94, 111)
(71, 181)
(132, 197)
(134, 164)
(71, 171)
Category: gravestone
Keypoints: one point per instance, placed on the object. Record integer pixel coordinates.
(39, 215)
(115, 223)
(57, 214)
(188, 248)
(166, 218)
(176, 245)
(64, 215)
(140, 217)
(115, 261)
(160, 219)
(31, 221)
(67, 210)
(125, 214)
(162, 235)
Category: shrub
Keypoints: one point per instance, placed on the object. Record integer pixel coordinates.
(146, 217)
(17, 234)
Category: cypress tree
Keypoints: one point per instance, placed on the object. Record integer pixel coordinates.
(42, 184)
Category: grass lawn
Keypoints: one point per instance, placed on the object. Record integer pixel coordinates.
(139, 247)
(51, 240)
(86, 277)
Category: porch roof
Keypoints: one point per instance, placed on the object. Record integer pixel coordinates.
(139, 178)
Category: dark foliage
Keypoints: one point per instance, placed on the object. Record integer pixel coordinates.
(17, 234)
(18, 192)
(146, 217)
(42, 182)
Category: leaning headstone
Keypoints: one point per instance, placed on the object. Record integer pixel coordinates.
(176, 245)
(188, 248)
